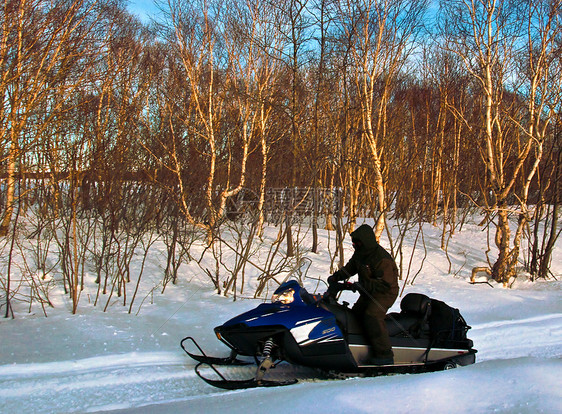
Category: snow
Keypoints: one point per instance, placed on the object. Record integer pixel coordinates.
(114, 361)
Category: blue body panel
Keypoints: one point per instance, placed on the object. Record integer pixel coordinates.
(308, 323)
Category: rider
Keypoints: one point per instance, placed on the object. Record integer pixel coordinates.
(378, 289)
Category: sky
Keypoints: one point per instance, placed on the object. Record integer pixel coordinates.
(142, 8)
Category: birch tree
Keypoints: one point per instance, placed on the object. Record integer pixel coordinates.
(194, 27)
(383, 34)
(487, 36)
(540, 71)
(42, 43)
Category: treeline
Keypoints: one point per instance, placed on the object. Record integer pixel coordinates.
(411, 109)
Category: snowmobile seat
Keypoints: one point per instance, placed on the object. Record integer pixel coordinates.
(412, 321)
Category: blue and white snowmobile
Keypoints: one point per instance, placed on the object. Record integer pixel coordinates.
(316, 331)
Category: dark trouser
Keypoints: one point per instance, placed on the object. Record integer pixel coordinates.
(371, 312)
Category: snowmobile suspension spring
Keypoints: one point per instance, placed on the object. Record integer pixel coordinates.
(268, 346)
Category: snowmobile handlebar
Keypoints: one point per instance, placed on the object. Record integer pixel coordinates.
(336, 287)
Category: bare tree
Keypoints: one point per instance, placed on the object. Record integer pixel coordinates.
(487, 36)
(41, 46)
(383, 35)
(539, 69)
(212, 73)
(262, 49)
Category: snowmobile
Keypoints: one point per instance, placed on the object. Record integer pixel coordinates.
(316, 331)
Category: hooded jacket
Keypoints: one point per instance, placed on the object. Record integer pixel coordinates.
(375, 267)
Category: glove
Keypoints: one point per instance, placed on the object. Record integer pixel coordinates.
(332, 280)
(337, 287)
(333, 289)
(336, 277)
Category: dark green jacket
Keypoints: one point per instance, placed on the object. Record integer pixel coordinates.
(375, 267)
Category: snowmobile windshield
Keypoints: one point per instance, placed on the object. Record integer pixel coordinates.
(285, 297)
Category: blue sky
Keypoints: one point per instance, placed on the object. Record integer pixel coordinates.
(142, 8)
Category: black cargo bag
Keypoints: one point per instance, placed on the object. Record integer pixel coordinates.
(447, 326)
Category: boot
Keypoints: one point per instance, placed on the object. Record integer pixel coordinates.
(378, 360)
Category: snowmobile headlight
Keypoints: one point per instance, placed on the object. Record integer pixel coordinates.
(285, 297)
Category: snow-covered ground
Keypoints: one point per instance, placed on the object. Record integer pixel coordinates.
(114, 361)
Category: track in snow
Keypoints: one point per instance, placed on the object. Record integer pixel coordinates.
(93, 383)
(112, 382)
(139, 379)
(539, 336)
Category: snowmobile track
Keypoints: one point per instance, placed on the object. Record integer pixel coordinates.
(106, 380)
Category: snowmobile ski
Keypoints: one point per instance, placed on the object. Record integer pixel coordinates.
(209, 360)
(228, 384)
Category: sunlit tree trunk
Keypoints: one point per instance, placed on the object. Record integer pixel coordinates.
(486, 36)
(43, 45)
(382, 33)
